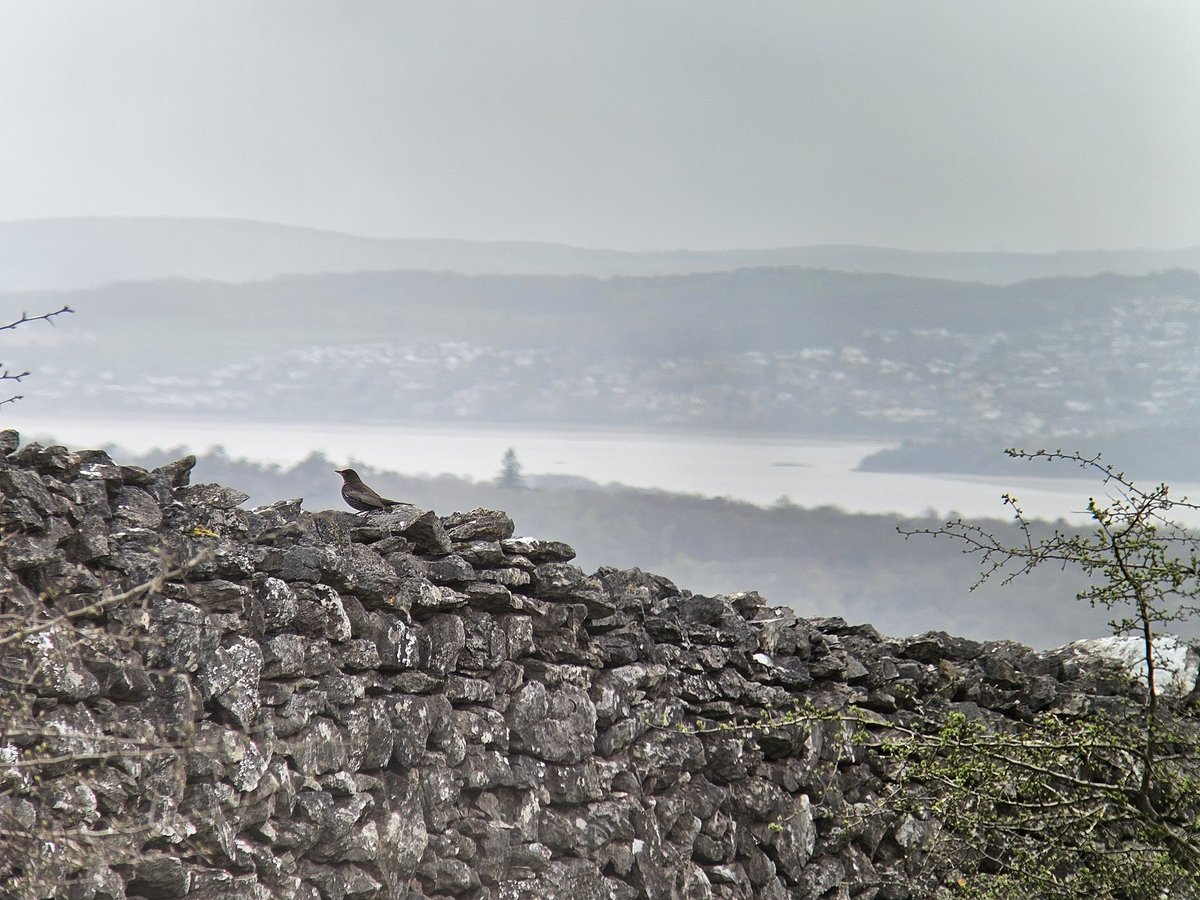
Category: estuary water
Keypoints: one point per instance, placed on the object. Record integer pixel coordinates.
(808, 472)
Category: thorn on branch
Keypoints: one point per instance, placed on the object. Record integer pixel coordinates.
(44, 317)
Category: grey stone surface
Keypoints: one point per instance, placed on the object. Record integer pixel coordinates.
(414, 706)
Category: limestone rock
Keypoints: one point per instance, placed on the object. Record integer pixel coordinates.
(277, 703)
(479, 525)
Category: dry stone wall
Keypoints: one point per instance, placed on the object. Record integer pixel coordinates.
(282, 703)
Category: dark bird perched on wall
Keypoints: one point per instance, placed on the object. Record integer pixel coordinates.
(359, 496)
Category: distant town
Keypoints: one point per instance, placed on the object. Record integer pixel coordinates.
(1136, 369)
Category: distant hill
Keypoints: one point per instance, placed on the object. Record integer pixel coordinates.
(1144, 454)
(71, 253)
(657, 317)
(765, 351)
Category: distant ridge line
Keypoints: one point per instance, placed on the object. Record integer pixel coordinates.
(90, 251)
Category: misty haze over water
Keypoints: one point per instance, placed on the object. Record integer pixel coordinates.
(760, 471)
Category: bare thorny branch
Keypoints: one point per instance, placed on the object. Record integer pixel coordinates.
(5, 373)
(146, 588)
(42, 753)
(44, 317)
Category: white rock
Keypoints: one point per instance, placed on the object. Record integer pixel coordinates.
(1176, 664)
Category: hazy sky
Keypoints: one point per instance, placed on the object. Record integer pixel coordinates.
(1036, 125)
